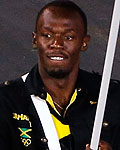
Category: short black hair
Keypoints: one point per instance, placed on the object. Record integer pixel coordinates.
(64, 4)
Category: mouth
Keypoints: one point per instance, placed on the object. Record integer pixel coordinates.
(57, 58)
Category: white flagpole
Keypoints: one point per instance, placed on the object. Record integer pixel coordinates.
(106, 76)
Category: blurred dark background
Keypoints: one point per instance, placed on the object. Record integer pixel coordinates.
(17, 20)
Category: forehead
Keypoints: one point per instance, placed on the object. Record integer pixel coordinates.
(62, 16)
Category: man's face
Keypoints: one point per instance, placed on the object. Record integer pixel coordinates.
(59, 38)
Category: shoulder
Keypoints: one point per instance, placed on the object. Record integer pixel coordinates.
(92, 82)
(93, 79)
(10, 89)
(12, 84)
(89, 79)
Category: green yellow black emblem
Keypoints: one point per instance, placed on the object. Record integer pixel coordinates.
(26, 138)
(24, 133)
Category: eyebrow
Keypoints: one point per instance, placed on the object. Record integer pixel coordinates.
(70, 30)
(66, 30)
(47, 28)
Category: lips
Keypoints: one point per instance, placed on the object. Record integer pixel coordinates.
(56, 58)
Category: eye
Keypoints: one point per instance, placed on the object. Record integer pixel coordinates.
(69, 37)
(46, 35)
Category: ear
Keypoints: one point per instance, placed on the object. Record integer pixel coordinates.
(34, 41)
(85, 43)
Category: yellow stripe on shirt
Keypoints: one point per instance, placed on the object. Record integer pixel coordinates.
(62, 129)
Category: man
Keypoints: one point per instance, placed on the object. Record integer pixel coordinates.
(53, 107)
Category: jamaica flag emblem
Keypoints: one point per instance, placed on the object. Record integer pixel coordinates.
(26, 138)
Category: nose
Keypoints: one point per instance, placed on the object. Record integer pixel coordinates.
(57, 43)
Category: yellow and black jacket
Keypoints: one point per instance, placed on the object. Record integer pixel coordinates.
(21, 129)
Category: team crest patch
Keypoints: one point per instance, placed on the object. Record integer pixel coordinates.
(25, 137)
(25, 133)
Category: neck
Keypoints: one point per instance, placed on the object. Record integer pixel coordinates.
(60, 89)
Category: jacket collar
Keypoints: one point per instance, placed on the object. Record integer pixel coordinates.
(90, 82)
(34, 83)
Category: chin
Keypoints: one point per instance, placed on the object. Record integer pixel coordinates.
(58, 73)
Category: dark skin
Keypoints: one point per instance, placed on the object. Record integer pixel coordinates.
(60, 38)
